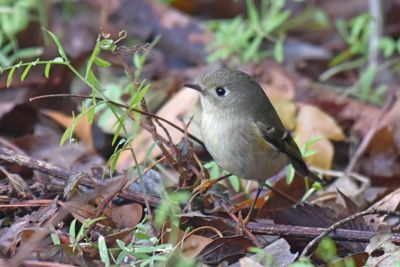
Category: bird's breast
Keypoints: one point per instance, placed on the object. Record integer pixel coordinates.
(237, 145)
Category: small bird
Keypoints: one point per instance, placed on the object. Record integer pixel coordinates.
(242, 131)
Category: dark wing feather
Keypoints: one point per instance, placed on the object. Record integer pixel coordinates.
(281, 140)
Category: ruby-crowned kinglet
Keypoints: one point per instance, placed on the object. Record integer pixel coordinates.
(241, 129)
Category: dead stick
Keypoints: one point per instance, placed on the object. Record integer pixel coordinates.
(11, 156)
(336, 225)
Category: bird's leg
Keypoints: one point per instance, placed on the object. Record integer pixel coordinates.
(247, 219)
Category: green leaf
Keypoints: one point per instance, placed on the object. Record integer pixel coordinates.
(58, 60)
(358, 24)
(138, 60)
(91, 113)
(47, 70)
(55, 239)
(279, 51)
(108, 45)
(235, 182)
(96, 51)
(102, 63)
(10, 76)
(72, 231)
(343, 56)
(180, 196)
(366, 81)
(398, 46)
(26, 53)
(290, 174)
(147, 249)
(251, 51)
(308, 153)
(341, 26)
(326, 249)
(67, 134)
(26, 71)
(387, 45)
(252, 11)
(139, 96)
(58, 44)
(308, 194)
(161, 214)
(277, 21)
(103, 251)
(92, 79)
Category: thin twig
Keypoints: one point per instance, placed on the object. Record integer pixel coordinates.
(336, 225)
(239, 223)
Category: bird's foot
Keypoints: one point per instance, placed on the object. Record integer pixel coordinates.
(241, 224)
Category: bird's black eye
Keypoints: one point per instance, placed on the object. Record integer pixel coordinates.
(221, 91)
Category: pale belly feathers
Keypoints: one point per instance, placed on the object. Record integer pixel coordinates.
(237, 149)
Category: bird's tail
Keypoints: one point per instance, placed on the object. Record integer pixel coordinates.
(314, 177)
(302, 169)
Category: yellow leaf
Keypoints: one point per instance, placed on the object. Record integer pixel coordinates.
(312, 121)
(324, 156)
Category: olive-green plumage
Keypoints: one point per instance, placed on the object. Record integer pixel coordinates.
(241, 128)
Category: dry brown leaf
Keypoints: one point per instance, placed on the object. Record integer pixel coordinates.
(176, 107)
(389, 202)
(383, 251)
(194, 244)
(392, 121)
(82, 130)
(126, 216)
(278, 252)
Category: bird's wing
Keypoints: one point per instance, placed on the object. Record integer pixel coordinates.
(281, 140)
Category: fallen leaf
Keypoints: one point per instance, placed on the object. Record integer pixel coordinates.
(11, 236)
(274, 255)
(225, 248)
(82, 130)
(382, 251)
(381, 156)
(312, 122)
(385, 223)
(126, 216)
(392, 121)
(194, 244)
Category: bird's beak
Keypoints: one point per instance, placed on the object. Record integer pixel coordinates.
(194, 86)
